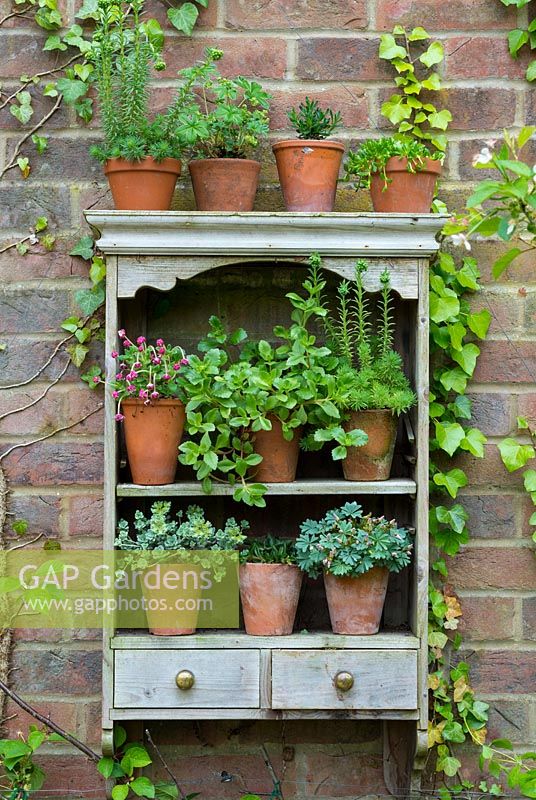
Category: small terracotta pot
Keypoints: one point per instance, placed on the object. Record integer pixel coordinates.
(373, 461)
(224, 184)
(308, 172)
(146, 185)
(269, 595)
(356, 604)
(152, 436)
(407, 192)
(279, 457)
(155, 617)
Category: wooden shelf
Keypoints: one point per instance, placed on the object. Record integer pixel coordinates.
(231, 639)
(398, 486)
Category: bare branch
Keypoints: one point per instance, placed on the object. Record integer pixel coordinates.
(34, 402)
(25, 544)
(37, 75)
(52, 433)
(13, 162)
(43, 367)
(164, 764)
(14, 244)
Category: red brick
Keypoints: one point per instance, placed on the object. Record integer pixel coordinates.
(23, 357)
(526, 406)
(68, 158)
(528, 509)
(51, 463)
(468, 57)
(488, 471)
(503, 671)
(38, 264)
(343, 774)
(63, 635)
(63, 714)
(93, 724)
(85, 515)
(285, 14)
(491, 516)
(493, 568)
(509, 719)
(466, 14)
(529, 618)
(508, 362)
(207, 16)
(38, 310)
(72, 672)
(491, 413)
(81, 401)
(530, 312)
(331, 59)
(252, 57)
(487, 618)
(20, 205)
(24, 54)
(486, 252)
(42, 512)
(349, 100)
(66, 775)
(41, 105)
(476, 109)
(507, 309)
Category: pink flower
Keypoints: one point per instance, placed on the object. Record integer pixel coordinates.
(137, 365)
(160, 343)
(147, 402)
(143, 393)
(154, 395)
(131, 375)
(161, 350)
(131, 388)
(150, 385)
(140, 340)
(114, 354)
(119, 417)
(141, 348)
(119, 376)
(127, 342)
(166, 377)
(176, 367)
(115, 394)
(122, 333)
(96, 379)
(156, 360)
(184, 361)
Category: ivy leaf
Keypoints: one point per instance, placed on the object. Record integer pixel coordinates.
(445, 762)
(443, 308)
(83, 248)
(449, 436)
(453, 732)
(24, 165)
(183, 18)
(89, 300)
(78, 353)
(466, 357)
(440, 119)
(432, 82)
(454, 380)
(105, 766)
(461, 407)
(89, 10)
(54, 42)
(120, 792)
(143, 787)
(40, 142)
(72, 90)
(434, 55)
(516, 40)
(97, 271)
(515, 455)
(418, 34)
(396, 109)
(530, 74)
(479, 323)
(456, 517)
(24, 111)
(474, 442)
(389, 49)
(529, 480)
(456, 333)
(20, 527)
(452, 481)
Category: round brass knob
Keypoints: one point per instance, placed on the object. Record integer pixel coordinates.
(344, 681)
(185, 679)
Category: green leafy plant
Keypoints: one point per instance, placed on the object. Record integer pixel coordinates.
(21, 775)
(521, 39)
(372, 156)
(516, 454)
(415, 62)
(348, 543)
(312, 122)
(125, 48)
(268, 550)
(505, 204)
(219, 117)
(189, 532)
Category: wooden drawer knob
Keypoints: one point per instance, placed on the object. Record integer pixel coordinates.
(185, 679)
(344, 681)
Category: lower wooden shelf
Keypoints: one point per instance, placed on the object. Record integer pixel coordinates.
(400, 486)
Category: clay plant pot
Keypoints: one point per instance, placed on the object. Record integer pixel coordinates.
(407, 192)
(373, 461)
(152, 436)
(146, 185)
(155, 618)
(356, 604)
(269, 595)
(224, 184)
(279, 457)
(308, 172)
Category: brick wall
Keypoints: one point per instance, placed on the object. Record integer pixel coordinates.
(326, 48)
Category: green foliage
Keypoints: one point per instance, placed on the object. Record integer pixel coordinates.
(372, 156)
(312, 122)
(89, 327)
(347, 543)
(184, 17)
(22, 774)
(504, 205)
(218, 117)
(523, 39)
(369, 372)
(516, 454)
(411, 114)
(189, 533)
(268, 550)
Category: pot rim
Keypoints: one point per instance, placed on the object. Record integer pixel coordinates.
(161, 401)
(398, 164)
(225, 160)
(371, 411)
(271, 564)
(315, 144)
(353, 577)
(147, 164)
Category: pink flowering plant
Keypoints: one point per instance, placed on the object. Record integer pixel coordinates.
(147, 372)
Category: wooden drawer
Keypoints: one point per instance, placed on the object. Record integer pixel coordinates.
(305, 679)
(222, 679)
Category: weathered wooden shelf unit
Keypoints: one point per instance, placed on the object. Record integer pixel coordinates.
(239, 676)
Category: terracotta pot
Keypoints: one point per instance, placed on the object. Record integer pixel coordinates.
(155, 618)
(308, 172)
(279, 457)
(224, 184)
(146, 185)
(373, 461)
(356, 604)
(152, 435)
(408, 192)
(269, 595)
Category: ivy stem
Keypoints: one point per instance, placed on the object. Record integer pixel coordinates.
(13, 162)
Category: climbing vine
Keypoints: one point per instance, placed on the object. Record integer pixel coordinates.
(522, 39)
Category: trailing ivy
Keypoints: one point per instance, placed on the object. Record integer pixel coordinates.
(523, 39)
